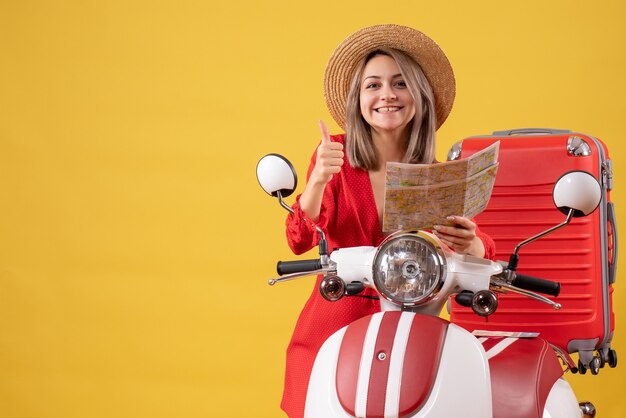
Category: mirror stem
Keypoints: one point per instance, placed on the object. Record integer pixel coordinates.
(513, 260)
(282, 202)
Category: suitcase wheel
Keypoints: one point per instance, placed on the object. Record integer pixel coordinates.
(594, 365)
(612, 358)
(607, 356)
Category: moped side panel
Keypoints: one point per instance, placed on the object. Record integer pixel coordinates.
(561, 402)
(321, 397)
(460, 385)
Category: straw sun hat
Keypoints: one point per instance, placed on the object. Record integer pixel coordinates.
(350, 53)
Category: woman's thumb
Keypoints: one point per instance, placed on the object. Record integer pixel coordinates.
(324, 130)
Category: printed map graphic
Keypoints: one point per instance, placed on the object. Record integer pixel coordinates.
(418, 196)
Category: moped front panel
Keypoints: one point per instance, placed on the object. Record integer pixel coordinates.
(391, 376)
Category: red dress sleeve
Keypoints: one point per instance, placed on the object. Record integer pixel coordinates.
(490, 246)
(301, 232)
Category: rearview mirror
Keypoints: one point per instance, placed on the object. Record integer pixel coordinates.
(577, 190)
(276, 175)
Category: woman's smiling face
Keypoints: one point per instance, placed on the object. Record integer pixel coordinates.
(385, 101)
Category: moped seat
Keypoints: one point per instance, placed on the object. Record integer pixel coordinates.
(523, 371)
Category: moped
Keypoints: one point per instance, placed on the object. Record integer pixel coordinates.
(406, 361)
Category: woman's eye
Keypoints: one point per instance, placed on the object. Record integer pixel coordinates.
(371, 85)
(401, 84)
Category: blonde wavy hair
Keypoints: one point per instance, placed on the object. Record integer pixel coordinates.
(420, 147)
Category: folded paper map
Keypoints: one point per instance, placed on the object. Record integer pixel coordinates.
(418, 196)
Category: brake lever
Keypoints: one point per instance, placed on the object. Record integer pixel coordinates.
(498, 284)
(292, 276)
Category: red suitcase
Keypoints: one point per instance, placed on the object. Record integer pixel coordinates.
(582, 256)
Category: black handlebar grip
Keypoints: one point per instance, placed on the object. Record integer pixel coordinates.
(535, 284)
(298, 266)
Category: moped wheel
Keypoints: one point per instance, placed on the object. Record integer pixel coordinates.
(581, 367)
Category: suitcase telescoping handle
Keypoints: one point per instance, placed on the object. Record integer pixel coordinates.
(536, 284)
(532, 131)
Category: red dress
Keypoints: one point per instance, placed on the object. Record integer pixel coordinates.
(349, 217)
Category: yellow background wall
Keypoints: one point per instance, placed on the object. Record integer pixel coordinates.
(135, 243)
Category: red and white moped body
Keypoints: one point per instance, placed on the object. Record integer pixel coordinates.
(406, 361)
(414, 364)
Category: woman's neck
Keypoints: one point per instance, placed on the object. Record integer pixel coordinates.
(390, 146)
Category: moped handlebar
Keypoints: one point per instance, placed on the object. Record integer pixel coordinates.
(298, 266)
(536, 284)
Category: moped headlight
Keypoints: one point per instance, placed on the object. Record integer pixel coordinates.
(409, 268)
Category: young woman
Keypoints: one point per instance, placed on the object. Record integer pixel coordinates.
(390, 87)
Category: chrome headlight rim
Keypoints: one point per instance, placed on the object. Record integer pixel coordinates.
(437, 252)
